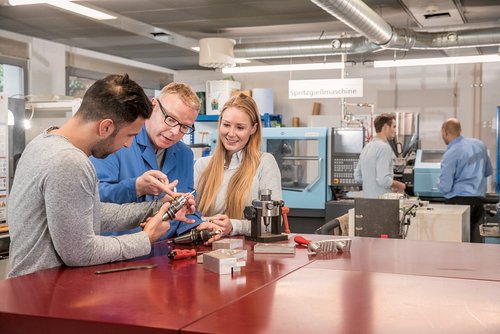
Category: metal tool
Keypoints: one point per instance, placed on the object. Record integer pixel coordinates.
(176, 205)
(267, 212)
(114, 270)
(179, 254)
(195, 236)
(325, 246)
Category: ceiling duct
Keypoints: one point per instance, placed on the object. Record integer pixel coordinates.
(324, 47)
(377, 33)
(357, 15)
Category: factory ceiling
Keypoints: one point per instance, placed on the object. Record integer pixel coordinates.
(162, 33)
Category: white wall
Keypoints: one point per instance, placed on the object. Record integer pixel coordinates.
(468, 92)
(435, 92)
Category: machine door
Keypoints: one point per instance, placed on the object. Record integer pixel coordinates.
(299, 162)
(301, 156)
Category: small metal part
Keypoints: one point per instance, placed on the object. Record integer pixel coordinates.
(114, 270)
(176, 205)
(274, 248)
(330, 246)
(227, 244)
(225, 261)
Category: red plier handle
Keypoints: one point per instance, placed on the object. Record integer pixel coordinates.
(301, 240)
(179, 254)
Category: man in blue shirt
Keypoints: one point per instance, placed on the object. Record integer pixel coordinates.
(375, 166)
(157, 154)
(464, 168)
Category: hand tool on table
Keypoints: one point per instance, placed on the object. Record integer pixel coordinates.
(179, 254)
(325, 246)
(114, 270)
(195, 236)
(176, 205)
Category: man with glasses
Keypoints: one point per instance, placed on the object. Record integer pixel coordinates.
(157, 154)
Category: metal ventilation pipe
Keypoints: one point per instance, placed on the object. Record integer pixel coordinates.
(360, 17)
(457, 39)
(305, 48)
(357, 15)
(378, 35)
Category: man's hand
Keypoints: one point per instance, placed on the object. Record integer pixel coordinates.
(398, 186)
(187, 209)
(154, 226)
(154, 182)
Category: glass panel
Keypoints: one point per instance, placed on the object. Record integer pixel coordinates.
(78, 86)
(12, 80)
(298, 161)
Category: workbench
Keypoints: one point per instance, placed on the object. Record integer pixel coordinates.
(380, 286)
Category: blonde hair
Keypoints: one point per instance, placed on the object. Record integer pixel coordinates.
(240, 183)
(185, 93)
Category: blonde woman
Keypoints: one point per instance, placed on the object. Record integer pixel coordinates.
(231, 178)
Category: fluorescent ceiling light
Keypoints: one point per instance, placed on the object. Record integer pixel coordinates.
(282, 68)
(25, 2)
(67, 5)
(436, 61)
(241, 61)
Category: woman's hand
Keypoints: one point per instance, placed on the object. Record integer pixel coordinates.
(212, 227)
(223, 222)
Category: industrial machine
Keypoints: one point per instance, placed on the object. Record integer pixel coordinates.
(426, 173)
(344, 150)
(268, 212)
(301, 154)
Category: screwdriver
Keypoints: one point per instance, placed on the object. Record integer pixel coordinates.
(179, 254)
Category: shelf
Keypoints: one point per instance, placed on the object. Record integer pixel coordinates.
(265, 118)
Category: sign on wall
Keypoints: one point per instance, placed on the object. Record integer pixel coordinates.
(325, 88)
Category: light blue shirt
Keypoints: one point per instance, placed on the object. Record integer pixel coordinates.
(464, 168)
(375, 168)
(118, 172)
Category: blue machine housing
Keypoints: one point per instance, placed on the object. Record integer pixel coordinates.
(301, 154)
(426, 173)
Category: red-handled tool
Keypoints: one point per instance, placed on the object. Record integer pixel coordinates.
(301, 240)
(284, 213)
(179, 254)
(325, 246)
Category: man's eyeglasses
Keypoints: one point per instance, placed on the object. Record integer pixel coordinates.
(172, 122)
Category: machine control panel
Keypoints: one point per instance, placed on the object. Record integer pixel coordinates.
(346, 146)
(343, 169)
